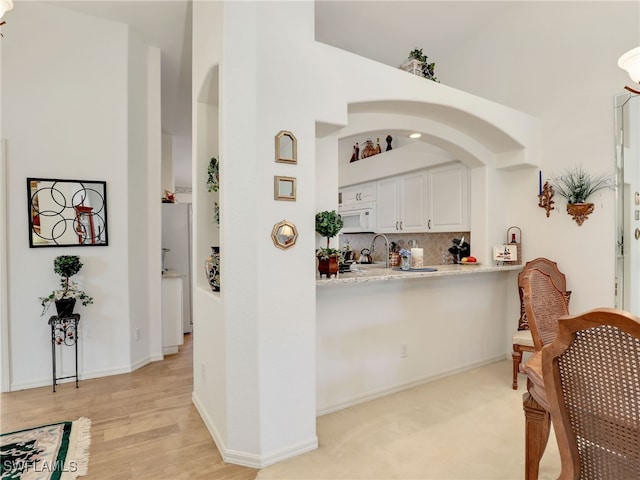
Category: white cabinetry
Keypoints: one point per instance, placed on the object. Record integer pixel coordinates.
(172, 335)
(401, 203)
(361, 193)
(448, 198)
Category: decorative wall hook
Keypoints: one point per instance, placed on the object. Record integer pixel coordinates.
(545, 198)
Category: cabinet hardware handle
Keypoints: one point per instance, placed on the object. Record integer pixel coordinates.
(400, 225)
(429, 224)
(396, 225)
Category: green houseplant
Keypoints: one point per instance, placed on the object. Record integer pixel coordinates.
(428, 68)
(65, 298)
(576, 186)
(328, 224)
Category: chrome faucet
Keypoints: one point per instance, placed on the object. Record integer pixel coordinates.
(386, 257)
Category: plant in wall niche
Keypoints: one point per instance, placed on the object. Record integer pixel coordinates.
(65, 298)
(213, 183)
(576, 186)
(213, 175)
(328, 224)
(427, 69)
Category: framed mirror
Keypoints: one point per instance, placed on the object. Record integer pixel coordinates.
(67, 213)
(284, 188)
(284, 234)
(627, 134)
(286, 147)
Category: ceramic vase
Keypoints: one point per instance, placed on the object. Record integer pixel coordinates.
(212, 269)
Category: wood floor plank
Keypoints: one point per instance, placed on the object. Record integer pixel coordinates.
(144, 424)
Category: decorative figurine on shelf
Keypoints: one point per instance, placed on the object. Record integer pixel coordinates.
(355, 156)
(368, 150)
(389, 139)
(378, 148)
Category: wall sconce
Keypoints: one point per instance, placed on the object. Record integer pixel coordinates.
(5, 6)
(630, 61)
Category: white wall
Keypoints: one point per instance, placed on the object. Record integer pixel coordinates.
(558, 61)
(66, 114)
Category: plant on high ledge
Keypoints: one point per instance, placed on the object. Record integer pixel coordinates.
(428, 69)
(65, 298)
(576, 186)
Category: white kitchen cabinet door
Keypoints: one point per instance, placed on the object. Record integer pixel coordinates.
(413, 207)
(388, 205)
(172, 332)
(401, 203)
(448, 198)
(361, 193)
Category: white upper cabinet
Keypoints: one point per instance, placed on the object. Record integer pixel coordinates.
(401, 205)
(361, 193)
(448, 198)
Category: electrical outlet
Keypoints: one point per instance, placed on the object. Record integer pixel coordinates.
(404, 352)
(137, 334)
(203, 368)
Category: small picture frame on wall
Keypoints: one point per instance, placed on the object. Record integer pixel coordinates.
(284, 188)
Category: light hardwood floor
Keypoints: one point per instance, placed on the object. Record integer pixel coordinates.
(144, 425)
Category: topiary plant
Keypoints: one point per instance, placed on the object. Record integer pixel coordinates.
(328, 224)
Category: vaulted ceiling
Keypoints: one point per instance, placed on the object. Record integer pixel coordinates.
(385, 31)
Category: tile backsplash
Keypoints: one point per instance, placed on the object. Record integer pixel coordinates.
(435, 245)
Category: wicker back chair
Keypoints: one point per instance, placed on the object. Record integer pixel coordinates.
(592, 385)
(522, 340)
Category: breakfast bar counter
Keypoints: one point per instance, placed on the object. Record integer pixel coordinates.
(368, 273)
(381, 330)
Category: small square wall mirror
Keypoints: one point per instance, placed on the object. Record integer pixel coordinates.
(286, 147)
(284, 188)
(67, 213)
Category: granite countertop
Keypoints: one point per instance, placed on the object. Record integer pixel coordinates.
(172, 274)
(373, 274)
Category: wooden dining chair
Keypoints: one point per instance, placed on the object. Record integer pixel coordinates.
(544, 304)
(521, 339)
(592, 385)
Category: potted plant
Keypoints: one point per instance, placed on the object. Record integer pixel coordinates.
(328, 224)
(65, 298)
(576, 186)
(419, 64)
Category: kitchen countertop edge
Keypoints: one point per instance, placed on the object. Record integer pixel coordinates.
(382, 274)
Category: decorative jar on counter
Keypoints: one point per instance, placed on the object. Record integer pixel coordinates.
(405, 262)
(212, 269)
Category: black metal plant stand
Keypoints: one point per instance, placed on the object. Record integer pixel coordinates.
(64, 331)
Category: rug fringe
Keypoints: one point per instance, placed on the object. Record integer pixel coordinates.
(82, 430)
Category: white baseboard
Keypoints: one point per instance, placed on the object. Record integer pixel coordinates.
(43, 382)
(375, 394)
(251, 460)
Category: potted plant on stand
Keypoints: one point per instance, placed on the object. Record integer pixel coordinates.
(328, 224)
(576, 186)
(65, 298)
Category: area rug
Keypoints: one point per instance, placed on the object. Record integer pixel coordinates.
(58, 451)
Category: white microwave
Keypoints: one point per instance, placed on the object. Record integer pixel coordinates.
(358, 218)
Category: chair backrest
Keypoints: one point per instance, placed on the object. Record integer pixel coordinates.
(544, 304)
(591, 381)
(557, 277)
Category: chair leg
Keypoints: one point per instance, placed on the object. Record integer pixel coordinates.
(537, 429)
(517, 358)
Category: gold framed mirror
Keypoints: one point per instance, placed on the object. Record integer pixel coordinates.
(284, 188)
(284, 234)
(286, 147)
